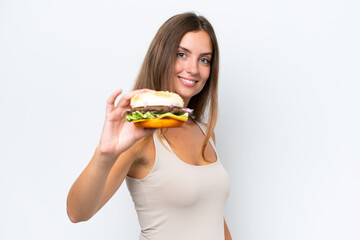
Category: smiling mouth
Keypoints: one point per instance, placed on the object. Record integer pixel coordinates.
(187, 82)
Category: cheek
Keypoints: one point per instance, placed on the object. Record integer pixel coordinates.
(205, 73)
(178, 67)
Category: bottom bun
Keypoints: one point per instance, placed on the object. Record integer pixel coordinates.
(159, 123)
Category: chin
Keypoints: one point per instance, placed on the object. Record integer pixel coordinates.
(187, 93)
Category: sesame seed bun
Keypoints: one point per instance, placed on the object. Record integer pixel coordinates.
(159, 98)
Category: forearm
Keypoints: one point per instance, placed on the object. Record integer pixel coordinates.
(86, 193)
(226, 231)
(97, 183)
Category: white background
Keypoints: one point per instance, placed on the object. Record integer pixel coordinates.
(288, 130)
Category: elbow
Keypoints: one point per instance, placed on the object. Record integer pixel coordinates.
(73, 219)
(75, 214)
(76, 211)
(76, 218)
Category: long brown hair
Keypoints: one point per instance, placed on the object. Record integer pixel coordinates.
(158, 66)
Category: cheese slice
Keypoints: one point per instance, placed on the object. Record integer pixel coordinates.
(168, 116)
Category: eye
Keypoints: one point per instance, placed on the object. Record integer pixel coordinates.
(181, 54)
(205, 60)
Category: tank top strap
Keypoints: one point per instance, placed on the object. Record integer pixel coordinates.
(203, 129)
(159, 140)
(202, 126)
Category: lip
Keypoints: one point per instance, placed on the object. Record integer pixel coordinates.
(189, 82)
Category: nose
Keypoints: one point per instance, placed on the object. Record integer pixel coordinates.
(192, 66)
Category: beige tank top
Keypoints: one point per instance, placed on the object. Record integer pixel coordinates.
(179, 201)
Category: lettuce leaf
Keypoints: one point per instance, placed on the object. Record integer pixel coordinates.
(150, 115)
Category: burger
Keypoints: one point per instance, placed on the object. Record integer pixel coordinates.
(157, 109)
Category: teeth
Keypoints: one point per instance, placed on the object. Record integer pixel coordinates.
(187, 81)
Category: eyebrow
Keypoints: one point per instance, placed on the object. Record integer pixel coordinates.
(202, 54)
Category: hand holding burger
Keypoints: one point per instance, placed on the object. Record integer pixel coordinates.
(118, 135)
(157, 110)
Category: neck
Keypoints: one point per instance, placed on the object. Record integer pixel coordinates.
(186, 102)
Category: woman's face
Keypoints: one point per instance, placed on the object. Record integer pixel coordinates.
(192, 64)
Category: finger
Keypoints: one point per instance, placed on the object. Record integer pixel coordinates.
(125, 100)
(145, 131)
(111, 100)
(149, 131)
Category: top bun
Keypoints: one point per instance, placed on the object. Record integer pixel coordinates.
(159, 98)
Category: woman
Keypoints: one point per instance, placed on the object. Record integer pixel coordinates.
(174, 176)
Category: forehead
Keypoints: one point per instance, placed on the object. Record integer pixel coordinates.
(199, 41)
